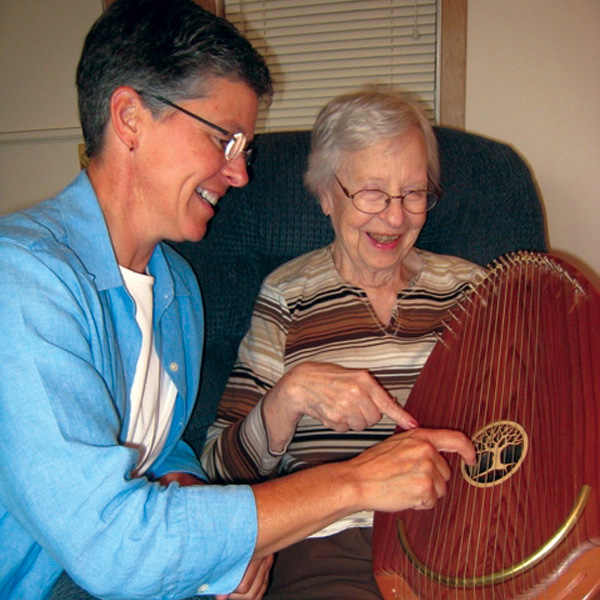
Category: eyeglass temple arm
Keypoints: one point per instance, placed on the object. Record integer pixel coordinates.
(191, 114)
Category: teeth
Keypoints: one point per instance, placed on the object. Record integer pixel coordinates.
(210, 197)
(384, 239)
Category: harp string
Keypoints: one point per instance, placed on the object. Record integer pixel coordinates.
(484, 400)
(555, 355)
(528, 316)
(505, 380)
(486, 330)
(524, 334)
(497, 335)
(501, 328)
(555, 323)
(568, 330)
(467, 360)
(533, 278)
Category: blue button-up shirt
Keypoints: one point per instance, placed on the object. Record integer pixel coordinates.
(69, 344)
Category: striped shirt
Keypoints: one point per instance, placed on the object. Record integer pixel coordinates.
(306, 311)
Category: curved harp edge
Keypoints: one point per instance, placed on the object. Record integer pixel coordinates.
(580, 582)
(519, 258)
(499, 576)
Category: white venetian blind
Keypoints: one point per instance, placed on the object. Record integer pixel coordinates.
(317, 49)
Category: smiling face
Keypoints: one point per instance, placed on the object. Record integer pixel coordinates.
(182, 171)
(369, 249)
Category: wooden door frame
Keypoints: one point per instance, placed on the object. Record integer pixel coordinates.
(453, 63)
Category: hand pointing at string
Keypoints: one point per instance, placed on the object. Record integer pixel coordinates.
(340, 398)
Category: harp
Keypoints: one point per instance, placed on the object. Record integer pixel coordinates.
(517, 368)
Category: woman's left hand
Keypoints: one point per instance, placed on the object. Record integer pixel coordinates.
(254, 583)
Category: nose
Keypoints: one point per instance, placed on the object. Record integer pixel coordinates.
(394, 213)
(236, 172)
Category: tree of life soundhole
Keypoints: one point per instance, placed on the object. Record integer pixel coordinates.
(500, 450)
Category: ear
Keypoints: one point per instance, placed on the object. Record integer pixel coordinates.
(127, 113)
(326, 202)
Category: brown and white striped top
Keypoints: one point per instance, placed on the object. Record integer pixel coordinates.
(306, 312)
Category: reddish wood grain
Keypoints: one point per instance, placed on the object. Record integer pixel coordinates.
(526, 350)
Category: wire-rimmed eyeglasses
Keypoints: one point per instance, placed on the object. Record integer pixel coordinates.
(233, 147)
(372, 202)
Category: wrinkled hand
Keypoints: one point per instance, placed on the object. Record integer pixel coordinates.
(407, 470)
(340, 398)
(254, 582)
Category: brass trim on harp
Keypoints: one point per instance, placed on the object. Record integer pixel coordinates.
(499, 576)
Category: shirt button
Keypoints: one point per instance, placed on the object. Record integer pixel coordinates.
(203, 588)
(174, 367)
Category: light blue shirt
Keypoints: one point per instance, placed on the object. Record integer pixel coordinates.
(69, 344)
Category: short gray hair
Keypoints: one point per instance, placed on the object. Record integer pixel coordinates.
(356, 121)
(169, 48)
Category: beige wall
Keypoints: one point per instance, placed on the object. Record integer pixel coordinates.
(40, 42)
(533, 80)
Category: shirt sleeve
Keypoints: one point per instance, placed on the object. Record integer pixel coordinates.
(181, 459)
(237, 446)
(64, 476)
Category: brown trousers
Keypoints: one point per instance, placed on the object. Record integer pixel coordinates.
(338, 567)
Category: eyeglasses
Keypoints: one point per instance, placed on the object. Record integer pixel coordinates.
(372, 202)
(232, 148)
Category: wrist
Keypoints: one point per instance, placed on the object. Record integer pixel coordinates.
(279, 421)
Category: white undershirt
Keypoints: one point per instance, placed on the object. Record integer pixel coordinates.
(153, 392)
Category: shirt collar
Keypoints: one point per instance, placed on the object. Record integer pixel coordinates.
(87, 234)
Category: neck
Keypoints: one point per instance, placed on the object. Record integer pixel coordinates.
(383, 281)
(116, 200)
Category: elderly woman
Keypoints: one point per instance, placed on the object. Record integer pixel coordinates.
(339, 335)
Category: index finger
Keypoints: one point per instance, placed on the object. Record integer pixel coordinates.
(448, 440)
(390, 408)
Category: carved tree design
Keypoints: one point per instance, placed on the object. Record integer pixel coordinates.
(500, 447)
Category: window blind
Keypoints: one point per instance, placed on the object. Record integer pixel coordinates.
(317, 49)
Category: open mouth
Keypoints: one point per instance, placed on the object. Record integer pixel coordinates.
(383, 239)
(209, 196)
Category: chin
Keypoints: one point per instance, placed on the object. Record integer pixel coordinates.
(195, 236)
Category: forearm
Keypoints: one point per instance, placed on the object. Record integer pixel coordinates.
(293, 507)
(239, 452)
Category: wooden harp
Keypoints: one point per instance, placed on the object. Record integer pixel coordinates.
(517, 368)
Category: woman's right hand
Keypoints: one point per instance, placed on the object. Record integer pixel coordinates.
(407, 470)
(340, 398)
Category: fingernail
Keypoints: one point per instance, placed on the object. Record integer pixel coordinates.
(412, 424)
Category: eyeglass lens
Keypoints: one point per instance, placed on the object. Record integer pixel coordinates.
(235, 146)
(375, 201)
